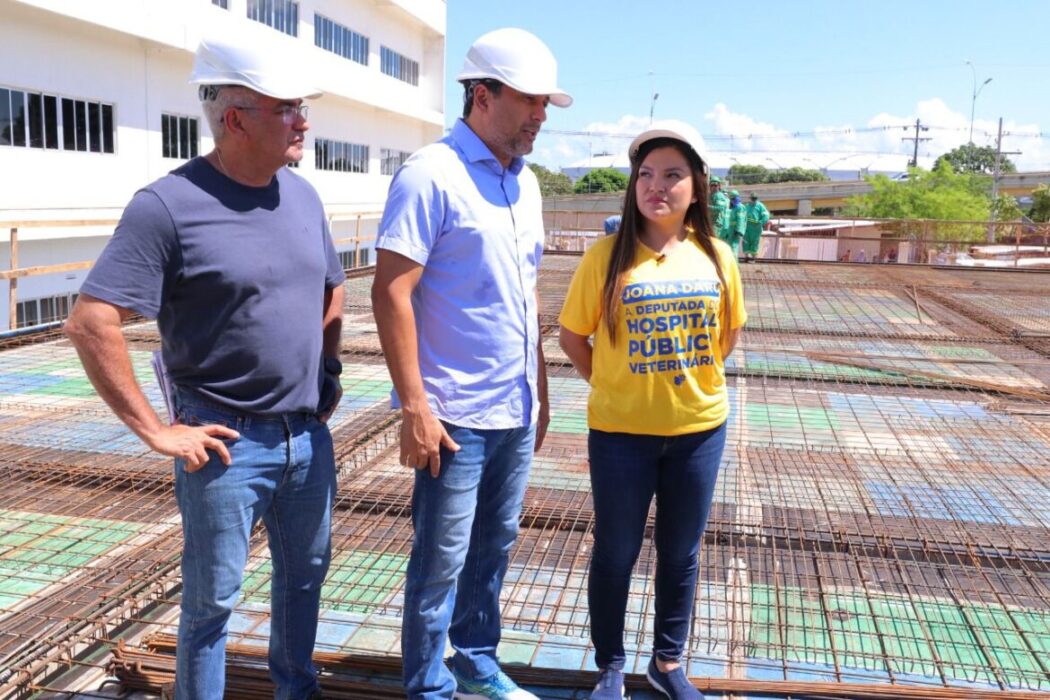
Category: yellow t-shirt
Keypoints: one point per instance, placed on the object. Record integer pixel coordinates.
(665, 374)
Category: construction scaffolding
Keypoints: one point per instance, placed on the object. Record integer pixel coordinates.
(881, 525)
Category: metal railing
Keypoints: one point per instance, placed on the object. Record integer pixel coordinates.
(921, 241)
(14, 272)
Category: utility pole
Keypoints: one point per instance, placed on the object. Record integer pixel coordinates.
(914, 162)
(999, 153)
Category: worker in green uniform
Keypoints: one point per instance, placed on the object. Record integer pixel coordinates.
(737, 222)
(757, 218)
(718, 206)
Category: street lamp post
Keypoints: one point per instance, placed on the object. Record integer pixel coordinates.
(836, 160)
(976, 92)
(729, 172)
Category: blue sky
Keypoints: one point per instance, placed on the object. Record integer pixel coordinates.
(807, 82)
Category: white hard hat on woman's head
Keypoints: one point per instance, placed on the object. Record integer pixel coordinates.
(255, 61)
(516, 58)
(670, 129)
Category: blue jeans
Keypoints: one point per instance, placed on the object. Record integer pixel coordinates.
(626, 471)
(465, 521)
(283, 471)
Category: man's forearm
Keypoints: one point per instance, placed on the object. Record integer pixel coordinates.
(541, 368)
(541, 376)
(332, 324)
(396, 323)
(104, 354)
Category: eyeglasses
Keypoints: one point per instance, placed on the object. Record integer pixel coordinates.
(289, 113)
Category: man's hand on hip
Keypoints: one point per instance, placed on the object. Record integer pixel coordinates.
(422, 437)
(327, 413)
(191, 443)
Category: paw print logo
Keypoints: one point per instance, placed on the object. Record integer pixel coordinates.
(679, 379)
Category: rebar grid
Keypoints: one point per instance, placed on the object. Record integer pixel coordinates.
(883, 511)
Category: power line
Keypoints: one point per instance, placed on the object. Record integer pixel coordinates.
(914, 162)
(797, 134)
(715, 137)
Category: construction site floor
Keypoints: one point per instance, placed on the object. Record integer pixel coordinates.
(881, 520)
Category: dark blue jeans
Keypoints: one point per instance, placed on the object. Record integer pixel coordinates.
(465, 524)
(626, 471)
(283, 472)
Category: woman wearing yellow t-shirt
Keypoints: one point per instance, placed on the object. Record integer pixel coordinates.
(662, 301)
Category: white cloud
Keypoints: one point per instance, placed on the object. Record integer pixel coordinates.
(882, 143)
(610, 149)
(740, 133)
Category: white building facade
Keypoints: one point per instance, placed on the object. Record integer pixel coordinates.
(95, 103)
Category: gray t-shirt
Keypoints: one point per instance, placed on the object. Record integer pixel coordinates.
(236, 278)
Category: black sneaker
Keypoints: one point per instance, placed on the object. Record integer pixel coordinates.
(610, 685)
(674, 684)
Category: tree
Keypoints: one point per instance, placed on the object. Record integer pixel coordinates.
(796, 174)
(938, 194)
(969, 158)
(601, 180)
(740, 174)
(1040, 210)
(1006, 208)
(551, 183)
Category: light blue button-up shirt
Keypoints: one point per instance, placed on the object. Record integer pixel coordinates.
(477, 229)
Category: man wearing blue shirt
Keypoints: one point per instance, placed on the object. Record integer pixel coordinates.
(456, 306)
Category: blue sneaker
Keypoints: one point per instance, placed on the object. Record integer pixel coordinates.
(498, 686)
(610, 685)
(674, 684)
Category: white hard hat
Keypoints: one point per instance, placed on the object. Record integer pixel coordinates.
(670, 129)
(516, 58)
(255, 61)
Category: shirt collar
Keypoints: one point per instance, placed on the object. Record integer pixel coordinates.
(476, 151)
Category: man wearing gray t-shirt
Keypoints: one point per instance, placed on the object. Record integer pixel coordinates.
(231, 254)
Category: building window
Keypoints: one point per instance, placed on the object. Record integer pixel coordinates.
(32, 312)
(86, 126)
(396, 65)
(224, 4)
(334, 37)
(346, 258)
(34, 120)
(340, 156)
(26, 314)
(12, 117)
(179, 136)
(390, 160)
(282, 15)
(43, 120)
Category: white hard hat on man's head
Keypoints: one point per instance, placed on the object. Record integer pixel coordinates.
(670, 129)
(516, 58)
(255, 61)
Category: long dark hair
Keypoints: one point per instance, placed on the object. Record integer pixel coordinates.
(697, 220)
